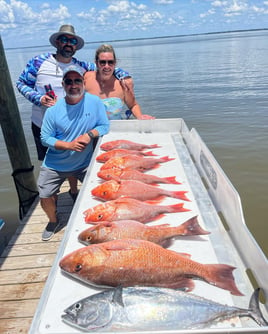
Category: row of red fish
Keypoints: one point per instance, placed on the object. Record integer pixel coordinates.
(122, 250)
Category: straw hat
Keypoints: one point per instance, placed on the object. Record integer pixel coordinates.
(68, 30)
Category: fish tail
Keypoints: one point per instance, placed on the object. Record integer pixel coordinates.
(254, 309)
(177, 208)
(166, 159)
(150, 153)
(180, 195)
(192, 227)
(221, 275)
(171, 179)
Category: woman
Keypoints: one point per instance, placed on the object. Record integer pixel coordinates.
(112, 91)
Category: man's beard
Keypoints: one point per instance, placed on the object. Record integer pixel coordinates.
(76, 95)
(66, 52)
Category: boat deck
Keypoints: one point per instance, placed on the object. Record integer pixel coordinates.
(25, 264)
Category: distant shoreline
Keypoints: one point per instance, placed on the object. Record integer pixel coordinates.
(149, 38)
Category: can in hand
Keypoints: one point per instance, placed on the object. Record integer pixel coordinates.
(49, 91)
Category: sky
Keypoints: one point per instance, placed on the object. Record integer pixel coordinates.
(30, 23)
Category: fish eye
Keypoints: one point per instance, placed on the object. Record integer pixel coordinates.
(89, 238)
(78, 306)
(78, 267)
(100, 216)
(104, 193)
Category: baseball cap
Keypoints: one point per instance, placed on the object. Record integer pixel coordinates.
(74, 68)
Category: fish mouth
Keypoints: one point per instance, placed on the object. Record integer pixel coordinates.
(68, 317)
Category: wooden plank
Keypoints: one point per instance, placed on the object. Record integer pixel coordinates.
(31, 228)
(13, 292)
(24, 275)
(29, 261)
(63, 214)
(18, 308)
(31, 238)
(15, 325)
(25, 265)
(28, 249)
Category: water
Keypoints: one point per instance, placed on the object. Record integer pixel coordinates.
(217, 83)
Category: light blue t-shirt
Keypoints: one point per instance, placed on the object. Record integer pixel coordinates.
(66, 122)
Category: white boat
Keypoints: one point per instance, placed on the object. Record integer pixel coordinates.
(213, 199)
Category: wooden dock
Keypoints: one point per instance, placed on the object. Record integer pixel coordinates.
(25, 264)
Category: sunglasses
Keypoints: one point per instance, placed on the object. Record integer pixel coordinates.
(104, 62)
(65, 40)
(70, 82)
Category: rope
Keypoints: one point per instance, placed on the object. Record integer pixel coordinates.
(24, 204)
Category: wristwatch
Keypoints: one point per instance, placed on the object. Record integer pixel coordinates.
(91, 135)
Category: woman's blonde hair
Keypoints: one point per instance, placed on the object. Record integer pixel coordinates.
(104, 48)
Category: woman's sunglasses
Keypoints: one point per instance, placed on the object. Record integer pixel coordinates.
(104, 62)
(65, 40)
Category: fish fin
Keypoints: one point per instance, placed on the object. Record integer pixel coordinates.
(158, 217)
(188, 256)
(158, 199)
(184, 284)
(149, 153)
(178, 208)
(221, 275)
(166, 159)
(118, 296)
(254, 309)
(171, 179)
(180, 195)
(192, 227)
(141, 169)
(155, 146)
(153, 202)
(162, 226)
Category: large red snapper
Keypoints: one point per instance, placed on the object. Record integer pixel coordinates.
(112, 189)
(129, 262)
(132, 174)
(126, 144)
(105, 156)
(129, 208)
(132, 229)
(133, 161)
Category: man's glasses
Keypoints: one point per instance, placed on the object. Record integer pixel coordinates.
(65, 40)
(104, 62)
(69, 82)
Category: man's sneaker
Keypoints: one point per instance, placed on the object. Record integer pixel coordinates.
(49, 231)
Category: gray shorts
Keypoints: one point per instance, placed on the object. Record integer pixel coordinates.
(50, 181)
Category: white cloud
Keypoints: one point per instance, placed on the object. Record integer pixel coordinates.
(259, 10)
(237, 8)
(20, 13)
(219, 3)
(164, 2)
(208, 13)
(150, 18)
(7, 15)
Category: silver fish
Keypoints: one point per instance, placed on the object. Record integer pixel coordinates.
(152, 308)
